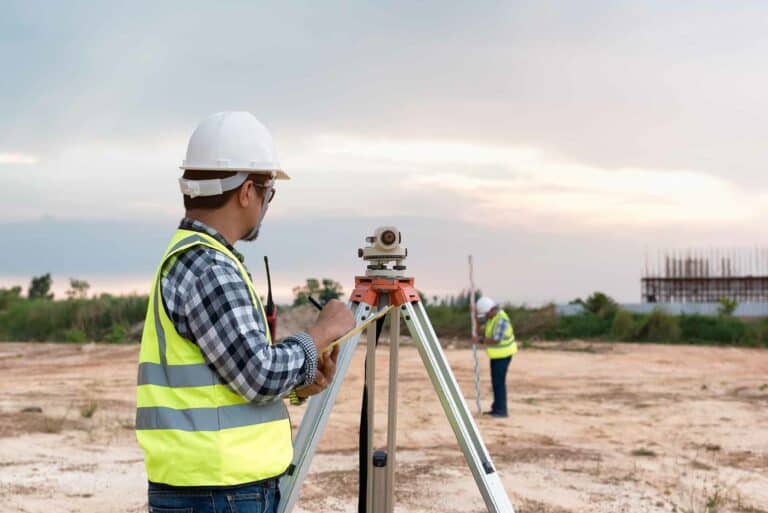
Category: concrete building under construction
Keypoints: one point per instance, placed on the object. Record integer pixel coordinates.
(707, 276)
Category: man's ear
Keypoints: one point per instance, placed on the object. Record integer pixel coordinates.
(246, 193)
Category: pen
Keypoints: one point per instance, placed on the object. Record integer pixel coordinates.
(315, 303)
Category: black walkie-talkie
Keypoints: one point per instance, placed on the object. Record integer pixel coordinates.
(270, 309)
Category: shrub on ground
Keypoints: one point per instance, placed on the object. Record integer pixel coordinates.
(623, 326)
(660, 327)
(75, 320)
(721, 329)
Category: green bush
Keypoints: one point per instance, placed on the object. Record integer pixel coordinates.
(757, 334)
(532, 322)
(721, 330)
(322, 290)
(584, 325)
(454, 321)
(450, 321)
(660, 327)
(9, 296)
(727, 306)
(623, 326)
(75, 320)
(600, 304)
(117, 333)
(75, 336)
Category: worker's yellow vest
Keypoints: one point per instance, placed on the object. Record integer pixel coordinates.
(194, 429)
(507, 346)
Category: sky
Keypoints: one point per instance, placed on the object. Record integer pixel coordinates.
(560, 143)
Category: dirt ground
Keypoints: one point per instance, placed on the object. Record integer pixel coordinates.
(593, 428)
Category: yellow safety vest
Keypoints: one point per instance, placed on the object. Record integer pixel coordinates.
(507, 346)
(194, 429)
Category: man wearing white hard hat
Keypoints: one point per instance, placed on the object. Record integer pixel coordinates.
(210, 413)
(499, 336)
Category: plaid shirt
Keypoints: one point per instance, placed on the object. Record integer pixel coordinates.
(501, 328)
(209, 303)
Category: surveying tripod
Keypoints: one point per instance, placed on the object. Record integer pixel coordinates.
(384, 287)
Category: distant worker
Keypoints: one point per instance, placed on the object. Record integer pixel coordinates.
(500, 339)
(210, 412)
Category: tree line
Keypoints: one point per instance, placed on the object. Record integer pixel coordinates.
(40, 288)
(36, 316)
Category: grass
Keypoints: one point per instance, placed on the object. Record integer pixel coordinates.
(703, 489)
(643, 452)
(88, 409)
(714, 501)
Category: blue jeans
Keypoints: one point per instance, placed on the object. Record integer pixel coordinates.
(499, 368)
(255, 498)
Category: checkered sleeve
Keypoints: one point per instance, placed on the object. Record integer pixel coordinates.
(232, 337)
(501, 329)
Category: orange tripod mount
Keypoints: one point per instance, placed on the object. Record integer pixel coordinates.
(370, 289)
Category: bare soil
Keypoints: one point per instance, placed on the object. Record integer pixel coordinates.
(594, 427)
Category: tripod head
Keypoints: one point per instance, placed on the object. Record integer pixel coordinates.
(384, 253)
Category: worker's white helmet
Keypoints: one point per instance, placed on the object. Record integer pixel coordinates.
(229, 141)
(484, 305)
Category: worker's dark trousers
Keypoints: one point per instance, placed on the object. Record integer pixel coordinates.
(499, 368)
(262, 497)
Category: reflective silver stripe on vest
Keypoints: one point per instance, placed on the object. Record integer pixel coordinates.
(209, 419)
(159, 325)
(186, 240)
(192, 375)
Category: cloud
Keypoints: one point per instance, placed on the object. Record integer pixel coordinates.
(497, 184)
(425, 151)
(18, 158)
(344, 175)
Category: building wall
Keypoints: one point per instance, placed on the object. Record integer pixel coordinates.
(742, 289)
(742, 310)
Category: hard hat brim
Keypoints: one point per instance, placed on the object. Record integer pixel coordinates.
(277, 174)
(281, 175)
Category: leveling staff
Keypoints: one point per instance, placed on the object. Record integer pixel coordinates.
(210, 412)
(500, 339)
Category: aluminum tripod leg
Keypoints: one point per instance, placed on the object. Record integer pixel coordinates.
(394, 355)
(370, 387)
(315, 418)
(464, 427)
(381, 464)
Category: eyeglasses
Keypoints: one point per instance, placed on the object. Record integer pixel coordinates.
(271, 191)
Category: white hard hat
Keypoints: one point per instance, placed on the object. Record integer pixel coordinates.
(484, 305)
(229, 141)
